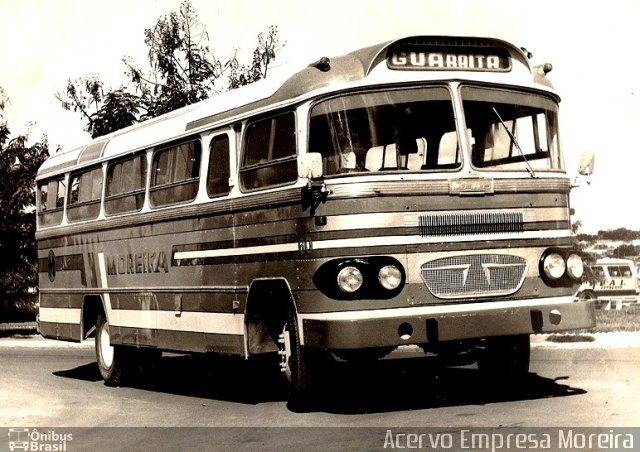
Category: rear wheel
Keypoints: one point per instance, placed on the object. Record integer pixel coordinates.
(113, 361)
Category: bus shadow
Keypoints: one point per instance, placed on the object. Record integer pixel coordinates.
(414, 384)
(382, 386)
(86, 372)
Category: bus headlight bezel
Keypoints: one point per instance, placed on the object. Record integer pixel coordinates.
(561, 267)
(377, 277)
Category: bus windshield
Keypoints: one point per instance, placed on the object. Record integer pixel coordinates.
(395, 130)
(511, 131)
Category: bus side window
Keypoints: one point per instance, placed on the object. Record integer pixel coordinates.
(84, 194)
(51, 202)
(175, 174)
(126, 180)
(218, 174)
(269, 152)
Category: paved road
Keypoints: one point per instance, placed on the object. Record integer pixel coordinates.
(52, 384)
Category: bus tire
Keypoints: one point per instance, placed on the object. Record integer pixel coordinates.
(299, 366)
(506, 357)
(113, 362)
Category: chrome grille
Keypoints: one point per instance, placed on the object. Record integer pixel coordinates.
(478, 275)
(465, 223)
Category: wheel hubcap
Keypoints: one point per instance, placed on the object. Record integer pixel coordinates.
(284, 345)
(106, 349)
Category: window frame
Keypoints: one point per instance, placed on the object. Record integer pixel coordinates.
(509, 95)
(213, 140)
(86, 205)
(131, 193)
(370, 96)
(51, 216)
(246, 169)
(167, 186)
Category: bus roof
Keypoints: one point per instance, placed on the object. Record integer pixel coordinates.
(287, 88)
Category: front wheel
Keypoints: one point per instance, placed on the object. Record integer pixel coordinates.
(113, 361)
(299, 365)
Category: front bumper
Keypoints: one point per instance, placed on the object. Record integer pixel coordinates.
(432, 324)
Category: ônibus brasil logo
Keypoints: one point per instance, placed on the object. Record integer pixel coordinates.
(34, 440)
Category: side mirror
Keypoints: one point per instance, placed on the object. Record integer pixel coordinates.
(587, 160)
(310, 165)
(585, 169)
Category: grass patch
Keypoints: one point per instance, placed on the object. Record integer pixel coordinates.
(625, 319)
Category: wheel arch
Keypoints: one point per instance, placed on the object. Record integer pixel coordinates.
(268, 301)
(588, 294)
(92, 306)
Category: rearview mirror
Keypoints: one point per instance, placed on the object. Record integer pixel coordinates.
(587, 160)
(585, 169)
(310, 165)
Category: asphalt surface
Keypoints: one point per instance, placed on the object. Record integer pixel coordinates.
(576, 381)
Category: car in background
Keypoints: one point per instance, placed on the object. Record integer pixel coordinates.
(612, 282)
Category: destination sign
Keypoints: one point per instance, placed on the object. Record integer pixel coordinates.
(450, 59)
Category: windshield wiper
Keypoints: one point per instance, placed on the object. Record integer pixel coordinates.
(514, 141)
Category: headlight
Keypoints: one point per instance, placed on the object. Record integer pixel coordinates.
(554, 266)
(389, 277)
(349, 279)
(575, 266)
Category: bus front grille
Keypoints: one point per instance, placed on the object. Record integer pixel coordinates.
(478, 275)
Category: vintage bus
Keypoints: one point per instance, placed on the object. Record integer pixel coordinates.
(412, 193)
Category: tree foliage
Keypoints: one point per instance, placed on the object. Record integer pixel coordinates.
(118, 110)
(263, 54)
(19, 163)
(83, 95)
(622, 234)
(626, 250)
(182, 71)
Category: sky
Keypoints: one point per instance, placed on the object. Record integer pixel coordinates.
(591, 44)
